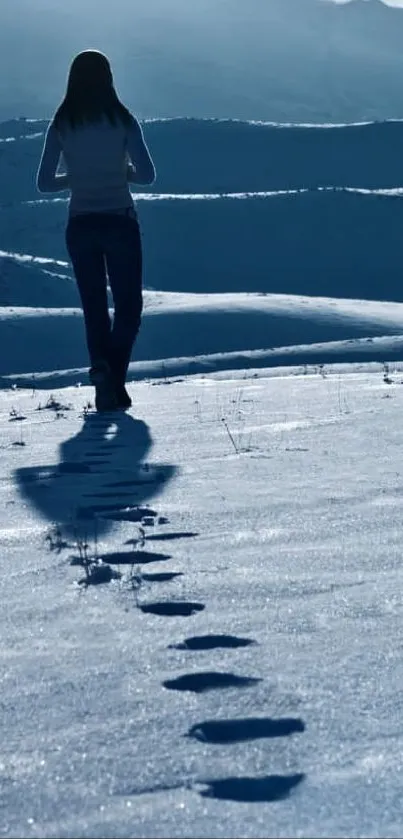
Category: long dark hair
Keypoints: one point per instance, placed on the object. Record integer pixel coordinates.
(90, 94)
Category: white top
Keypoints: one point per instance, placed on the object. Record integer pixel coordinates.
(101, 160)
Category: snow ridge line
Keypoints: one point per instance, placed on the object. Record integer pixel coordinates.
(392, 192)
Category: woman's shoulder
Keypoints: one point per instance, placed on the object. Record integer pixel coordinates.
(52, 132)
(133, 125)
(131, 120)
(52, 127)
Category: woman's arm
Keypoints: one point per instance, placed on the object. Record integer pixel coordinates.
(141, 170)
(46, 179)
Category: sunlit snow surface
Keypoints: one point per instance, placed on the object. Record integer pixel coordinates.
(266, 511)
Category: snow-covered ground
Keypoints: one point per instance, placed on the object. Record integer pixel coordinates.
(202, 610)
(237, 670)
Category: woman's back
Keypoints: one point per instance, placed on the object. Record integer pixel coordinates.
(101, 141)
(95, 154)
(96, 157)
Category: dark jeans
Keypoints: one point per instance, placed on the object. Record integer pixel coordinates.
(107, 247)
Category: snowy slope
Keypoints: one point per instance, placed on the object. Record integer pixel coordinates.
(222, 155)
(26, 280)
(309, 211)
(183, 333)
(273, 258)
(240, 673)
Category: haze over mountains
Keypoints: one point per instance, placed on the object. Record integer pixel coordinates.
(280, 60)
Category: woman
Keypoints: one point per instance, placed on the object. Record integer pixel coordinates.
(103, 149)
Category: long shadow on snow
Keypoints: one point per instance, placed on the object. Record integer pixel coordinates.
(61, 492)
(268, 788)
(209, 680)
(172, 608)
(239, 731)
(139, 557)
(212, 642)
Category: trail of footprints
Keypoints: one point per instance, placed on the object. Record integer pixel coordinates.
(223, 731)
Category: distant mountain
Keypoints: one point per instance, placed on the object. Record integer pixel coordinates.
(282, 60)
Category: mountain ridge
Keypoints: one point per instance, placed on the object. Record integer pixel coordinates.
(292, 61)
